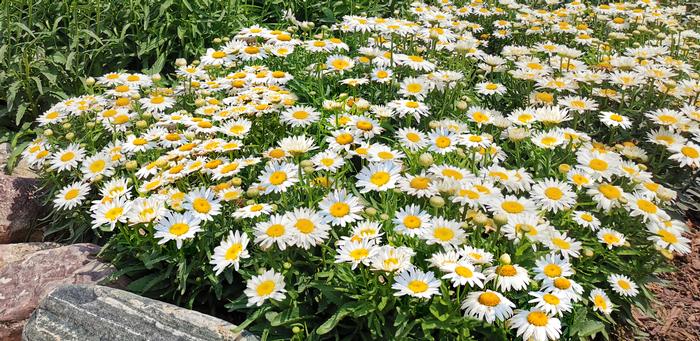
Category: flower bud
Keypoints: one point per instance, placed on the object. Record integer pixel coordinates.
(437, 202)
(308, 169)
(480, 219)
(141, 124)
(500, 219)
(48, 132)
(384, 216)
(306, 163)
(67, 126)
(90, 124)
(425, 160)
(287, 265)
(564, 168)
(70, 136)
(371, 211)
(296, 330)
(90, 81)
(261, 271)
(131, 165)
(462, 105)
(156, 77)
(200, 102)
(217, 40)
(504, 259)
(252, 192)
(587, 252)
(236, 181)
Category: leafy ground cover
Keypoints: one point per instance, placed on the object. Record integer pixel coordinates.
(466, 171)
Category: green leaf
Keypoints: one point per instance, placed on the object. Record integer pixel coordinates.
(357, 309)
(254, 316)
(164, 6)
(286, 317)
(589, 328)
(20, 113)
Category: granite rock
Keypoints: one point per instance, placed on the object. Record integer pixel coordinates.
(29, 271)
(91, 312)
(19, 209)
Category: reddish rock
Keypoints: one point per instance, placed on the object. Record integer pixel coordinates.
(28, 272)
(19, 208)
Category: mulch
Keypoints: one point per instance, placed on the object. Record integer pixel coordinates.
(677, 303)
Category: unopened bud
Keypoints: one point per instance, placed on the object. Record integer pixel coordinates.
(437, 202)
(131, 165)
(90, 81)
(505, 259)
(425, 160)
(252, 192)
(70, 136)
(371, 211)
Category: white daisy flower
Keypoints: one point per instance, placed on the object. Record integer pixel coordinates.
(416, 283)
(535, 325)
(445, 232)
(487, 306)
(623, 285)
(551, 304)
(269, 285)
(277, 230)
(462, 273)
(378, 176)
(178, 227)
(340, 208)
(203, 204)
(278, 177)
(356, 252)
(508, 277)
(601, 302)
(611, 238)
(307, 227)
(71, 196)
(230, 251)
(67, 158)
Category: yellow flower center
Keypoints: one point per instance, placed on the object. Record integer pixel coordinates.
(647, 206)
(278, 177)
(414, 88)
(562, 283)
(561, 243)
(304, 225)
(624, 284)
(598, 165)
(234, 251)
(537, 318)
(417, 286)
(443, 142)
(179, 229)
(552, 270)
(380, 178)
(551, 299)
(690, 152)
(506, 270)
(443, 233)
(609, 191)
(265, 288)
(553, 193)
(512, 207)
(359, 254)
(464, 272)
(339, 209)
(67, 156)
(256, 208)
(420, 182)
(201, 205)
(72, 194)
(412, 222)
(489, 299)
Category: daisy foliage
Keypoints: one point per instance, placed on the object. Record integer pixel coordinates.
(466, 170)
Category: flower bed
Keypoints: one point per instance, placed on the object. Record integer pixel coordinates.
(472, 170)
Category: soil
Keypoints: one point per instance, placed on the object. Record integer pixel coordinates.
(677, 303)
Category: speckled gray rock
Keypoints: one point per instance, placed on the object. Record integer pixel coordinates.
(91, 312)
(19, 209)
(28, 272)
